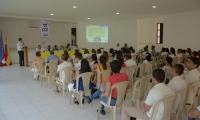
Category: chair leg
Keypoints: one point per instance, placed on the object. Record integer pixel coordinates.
(70, 97)
(99, 111)
(41, 81)
(48, 81)
(113, 108)
(63, 89)
(81, 96)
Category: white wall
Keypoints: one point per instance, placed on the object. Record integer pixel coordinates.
(182, 30)
(123, 31)
(60, 34)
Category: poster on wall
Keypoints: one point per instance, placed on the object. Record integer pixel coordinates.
(45, 28)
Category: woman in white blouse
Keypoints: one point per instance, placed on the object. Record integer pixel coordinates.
(172, 52)
(167, 68)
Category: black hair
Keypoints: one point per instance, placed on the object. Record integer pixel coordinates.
(133, 50)
(85, 67)
(120, 58)
(94, 58)
(172, 50)
(102, 60)
(163, 49)
(66, 52)
(51, 52)
(20, 39)
(123, 50)
(184, 51)
(148, 57)
(195, 61)
(180, 50)
(86, 51)
(79, 56)
(178, 69)
(195, 53)
(169, 60)
(98, 51)
(159, 75)
(94, 51)
(115, 66)
(39, 45)
(128, 55)
(38, 54)
(189, 51)
(167, 50)
(76, 52)
(153, 47)
(65, 57)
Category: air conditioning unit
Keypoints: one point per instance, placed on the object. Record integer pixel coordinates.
(33, 25)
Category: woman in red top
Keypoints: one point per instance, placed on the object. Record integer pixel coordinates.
(117, 77)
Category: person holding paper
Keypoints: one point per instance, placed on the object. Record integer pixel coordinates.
(20, 46)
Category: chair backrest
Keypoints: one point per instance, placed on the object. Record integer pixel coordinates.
(150, 67)
(55, 61)
(121, 89)
(51, 69)
(86, 81)
(140, 84)
(194, 88)
(130, 70)
(175, 61)
(163, 58)
(40, 65)
(105, 74)
(141, 70)
(68, 72)
(134, 57)
(182, 94)
(165, 77)
(123, 70)
(168, 103)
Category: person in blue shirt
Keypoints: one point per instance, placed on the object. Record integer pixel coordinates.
(153, 51)
(52, 56)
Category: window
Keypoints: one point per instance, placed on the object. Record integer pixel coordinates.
(159, 39)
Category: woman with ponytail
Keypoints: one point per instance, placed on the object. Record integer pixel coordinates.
(167, 68)
(120, 58)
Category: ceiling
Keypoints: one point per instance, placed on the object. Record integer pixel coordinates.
(95, 9)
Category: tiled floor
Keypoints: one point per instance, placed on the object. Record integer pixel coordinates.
(24, 99)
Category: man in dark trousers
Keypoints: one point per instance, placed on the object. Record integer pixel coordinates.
(20, 46)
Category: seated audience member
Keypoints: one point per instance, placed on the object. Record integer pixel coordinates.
(167, 68)
(146, 61)
(145, 51)
(74, 56)
(129, 61)
(78, 59)
(167, 51)
(163, 52)
(123, 51)
(176, 84)
(40, 49)
(94, 51)
(117, 77)
(76, 47)
(62, 48)
(99, 68)
(172, 53)
(195, 54)
(34, 66)
(132, 51)
(105, 53)
(121, 59)
(117, 47)
(64, 64)
(189, 52)
(85, 67)
(68, 47)
(125, 46)
(159, 91)
(55, 47)
(194, 113)
(94, 61)
(98, 53)
(48, 48)
(193, 75)
(179, 53)
(51, 56)
(153, 51)
(86, 54)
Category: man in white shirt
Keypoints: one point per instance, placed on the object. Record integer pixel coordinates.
(179, 53)
(193, 75)
(129, 61)
(20, 46)
(78, 61)
(98, 53)
(117, 48)
(177, 84)
(194, 113)
(76, 47)
(159, 91)
(40, 49)
(64, 64)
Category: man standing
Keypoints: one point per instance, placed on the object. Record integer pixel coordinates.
(40, 49)
(20, 46)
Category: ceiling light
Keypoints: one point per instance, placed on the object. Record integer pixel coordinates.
(74, 7)
(153, 6)
(52, 14)
(117, 13)
(88, 18)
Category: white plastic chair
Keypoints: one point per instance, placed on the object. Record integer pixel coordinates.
(130, 70)
(48, 72)
(121, 89)
(123, 70)
(168, 103)
(150, 68)
(134, 57)
(175, 60)
(38, 67)
(68, 72)
(86, 81)
(56, 64)
(142, 71)
(105, 74)
(182, 94)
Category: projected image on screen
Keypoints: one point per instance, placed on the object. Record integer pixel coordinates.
(97, 33)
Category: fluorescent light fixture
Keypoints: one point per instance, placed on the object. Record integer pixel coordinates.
(153, 6)
(117, 13)
(52, 14)
(74, 7)
(88, 18)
